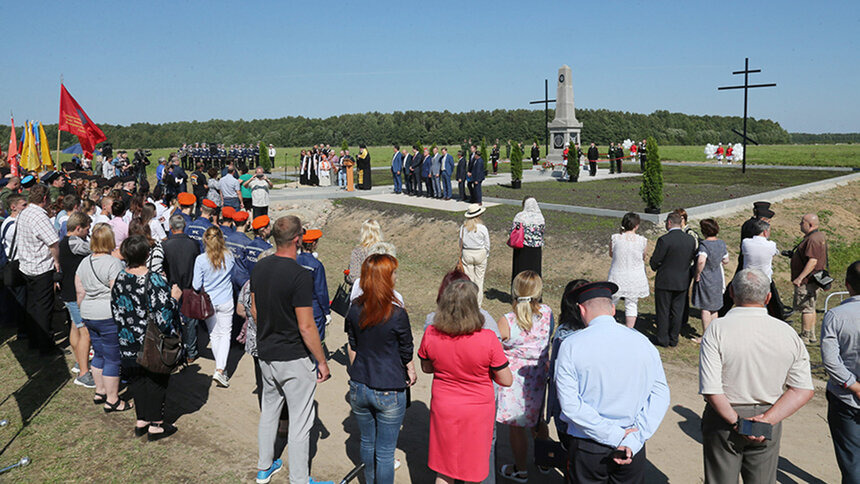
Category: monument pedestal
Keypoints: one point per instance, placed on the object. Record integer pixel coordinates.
(565, 127)
(560, 137)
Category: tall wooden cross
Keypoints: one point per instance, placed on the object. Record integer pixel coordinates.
(545, 102)
(746, 87)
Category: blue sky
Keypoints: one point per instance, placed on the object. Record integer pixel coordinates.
(160, 61)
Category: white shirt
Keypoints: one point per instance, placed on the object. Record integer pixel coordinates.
(356, 291)
(479, 239)
(8, 235)
(107, 170)
(259, 192)
(758, 254)
(272, 152)
(156, 230)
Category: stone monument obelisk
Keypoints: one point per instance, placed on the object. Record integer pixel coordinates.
(565, 126)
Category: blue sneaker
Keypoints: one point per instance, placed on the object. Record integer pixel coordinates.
(312, 481)
(265, 476)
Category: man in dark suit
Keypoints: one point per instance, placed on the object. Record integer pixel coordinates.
(462, 169)
(407, 171)
(477, 173)
(593, 154)
(415, 171)
(671, 260)
(535, 153)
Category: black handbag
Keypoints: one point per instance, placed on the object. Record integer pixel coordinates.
(340, 303)
(549, 453)
(160, 353)
(12, 276)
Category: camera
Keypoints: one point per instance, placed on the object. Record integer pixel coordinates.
(787, 253)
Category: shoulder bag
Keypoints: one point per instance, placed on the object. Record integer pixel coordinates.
(340, 303)
(12, 276)
(160, 353)
(822, 278)
(517, 237)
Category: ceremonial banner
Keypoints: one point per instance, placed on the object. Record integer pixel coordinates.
(74, 120)
(46, 151)
(29, 155)
(13, 150)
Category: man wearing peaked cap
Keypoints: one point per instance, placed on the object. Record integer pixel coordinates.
(612, 391)
(308, 259)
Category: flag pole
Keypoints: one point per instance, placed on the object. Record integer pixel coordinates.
(58, 129)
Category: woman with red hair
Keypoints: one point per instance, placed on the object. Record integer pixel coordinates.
(381, 368)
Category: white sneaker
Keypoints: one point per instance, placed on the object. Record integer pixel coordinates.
(76, 368)
(221, 379)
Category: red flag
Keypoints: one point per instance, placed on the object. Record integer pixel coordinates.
(13, 150)
(74, 120)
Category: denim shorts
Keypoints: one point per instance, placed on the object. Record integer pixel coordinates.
(75, 314)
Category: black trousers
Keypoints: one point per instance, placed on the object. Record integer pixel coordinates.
(428, 184)
(592, 168)
(40, 309)
(477, 197)
(260, 211)
(590, 462)
(461, 191)
(670, 312)
(149, 391)
(775, 308)
(618, 166)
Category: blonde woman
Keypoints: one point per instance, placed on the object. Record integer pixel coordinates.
(525, 335)
(475, 247)
(370, 234)
(212, 274)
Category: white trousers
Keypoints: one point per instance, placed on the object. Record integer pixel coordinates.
(220, 326)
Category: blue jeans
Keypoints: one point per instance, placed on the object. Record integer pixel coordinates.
(341, 177)
(189, 337)
(446, 184)
(232, 202)
(379, 415)
(75, 313)
(844, 422)
(103, 335)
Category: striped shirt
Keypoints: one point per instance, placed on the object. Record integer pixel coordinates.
(36, 234)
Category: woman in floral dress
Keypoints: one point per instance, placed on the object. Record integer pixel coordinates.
(525, 339)
(529, 256)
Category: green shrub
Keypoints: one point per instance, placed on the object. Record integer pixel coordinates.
(265, 162)
(516, 163)
(483, 150)
(572, 161)
(344, 145)
(652, 179)
(420, 146)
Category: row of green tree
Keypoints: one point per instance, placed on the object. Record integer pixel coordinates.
(824, 138)
(600, 126)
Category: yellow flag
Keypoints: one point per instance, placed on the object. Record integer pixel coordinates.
(29, 155)
(46, 151)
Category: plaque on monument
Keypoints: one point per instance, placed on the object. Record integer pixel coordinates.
(565, 127)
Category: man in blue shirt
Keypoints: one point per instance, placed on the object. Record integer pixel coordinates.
(307, 258)
(611, 389)
(159, 170)
(445, 175)
(208, 217)
(262, 229)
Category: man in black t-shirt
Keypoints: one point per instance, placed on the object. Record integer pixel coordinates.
(291, 357)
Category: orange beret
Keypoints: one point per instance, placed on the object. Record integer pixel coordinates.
(312, 235)
(260, 222)
(209, 203)
(186, 198)
(228, 212)
(240, 216)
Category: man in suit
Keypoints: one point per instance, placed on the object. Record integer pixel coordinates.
(407, 171)
(435, 173)
(593, 154)
(671, 260)
(462, 169)
(535, 153)
(477, 173)
(610, 156)
(426, 175)
(397, 169)
(415, 171)
(445, 175)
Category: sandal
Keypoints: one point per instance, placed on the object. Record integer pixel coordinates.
(169, 430)
(99, 398)
(508, 471)
(114, 407)
(141, 431)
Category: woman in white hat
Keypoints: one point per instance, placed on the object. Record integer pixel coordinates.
(475, 247)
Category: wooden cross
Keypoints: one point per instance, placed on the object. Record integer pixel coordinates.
(746, 87)
(546, 100)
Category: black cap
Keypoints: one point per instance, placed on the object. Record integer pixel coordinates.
(76, 174)
(104, 182)
(590, 291)
(758, 207)
(68, 166)
(765, 213)
(49, 177)
(28, 181)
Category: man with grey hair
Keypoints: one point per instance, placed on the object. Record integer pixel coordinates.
(757, 252)
(180, 251)
(752, 367)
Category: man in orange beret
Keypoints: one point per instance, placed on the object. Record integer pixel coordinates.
(226, 221)
(186, 207)
(307, 258)
(238, 243)
(262, 230)
(208, 217)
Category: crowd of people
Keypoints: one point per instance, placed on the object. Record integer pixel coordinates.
(128, 262)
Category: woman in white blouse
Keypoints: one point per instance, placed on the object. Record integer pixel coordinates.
(627, 250)
(475, 247)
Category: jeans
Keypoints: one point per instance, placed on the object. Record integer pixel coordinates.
(446, 184)
(75, 313)
(232, 202)
(341, 178)
(258, 211)
(105, 341)
(220, 326)
(844, 422)
(379, 415)
(189, 337)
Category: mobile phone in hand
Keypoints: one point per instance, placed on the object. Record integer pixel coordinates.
(619, 454)
(752, 428)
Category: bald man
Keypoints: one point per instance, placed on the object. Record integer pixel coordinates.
(809, 257)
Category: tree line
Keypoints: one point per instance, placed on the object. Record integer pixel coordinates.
(824, 138)
(600, 126)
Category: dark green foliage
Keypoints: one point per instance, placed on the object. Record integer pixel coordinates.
(420, 146)
(377, 129)
(344, 145)
(483, 150)
(516, 163)
(652, 179)
(508, 150)
(824, 138)
(265, 162)
(572, 161)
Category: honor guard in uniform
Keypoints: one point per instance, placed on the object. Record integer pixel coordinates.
(262, 229)
(610, 155)
(222, 156)
(494, 157)
(307, 258)
(208, 214)
(643, 154)
(238, 243)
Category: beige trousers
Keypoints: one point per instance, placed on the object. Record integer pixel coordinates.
(475, 266)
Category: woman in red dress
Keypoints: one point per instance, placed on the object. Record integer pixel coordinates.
(464, 360)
